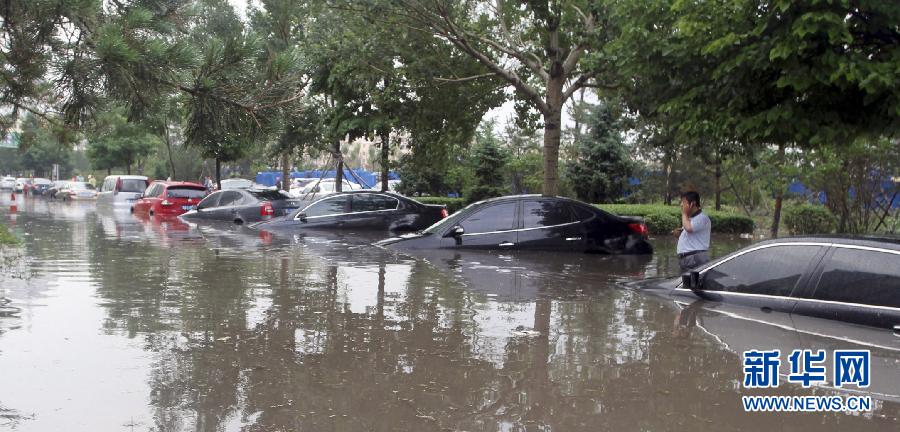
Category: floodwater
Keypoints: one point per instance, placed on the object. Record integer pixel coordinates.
(151, 325)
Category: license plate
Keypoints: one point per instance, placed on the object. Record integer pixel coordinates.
(186, 207)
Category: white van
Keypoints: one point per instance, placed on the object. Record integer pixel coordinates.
(121, 190)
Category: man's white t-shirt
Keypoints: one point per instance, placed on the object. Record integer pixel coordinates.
(697, 240)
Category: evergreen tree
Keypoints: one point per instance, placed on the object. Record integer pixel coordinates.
(600, 172)
(489, 162)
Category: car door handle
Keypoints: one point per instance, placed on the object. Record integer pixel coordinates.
(506, 244)
(573, 238)
(897, 330)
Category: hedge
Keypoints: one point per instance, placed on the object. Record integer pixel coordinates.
(809, 219)
(453, 204)
(662, 219)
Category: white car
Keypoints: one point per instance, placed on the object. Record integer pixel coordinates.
(7, 182)
(236, 183)
(392, 186)
(326, 186)
(77, 191)
(121, 191)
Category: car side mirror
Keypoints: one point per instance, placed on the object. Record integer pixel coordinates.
(691, 279)
(302, 217)
(456, 231)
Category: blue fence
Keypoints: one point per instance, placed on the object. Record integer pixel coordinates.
(369, 178)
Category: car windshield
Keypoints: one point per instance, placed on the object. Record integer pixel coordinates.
(186, 192)
(450, 220)
(132, 185)
(268, 195)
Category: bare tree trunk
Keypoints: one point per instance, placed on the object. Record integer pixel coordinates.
(286, 171)
(385, 158)
(169, 148)
(339, 168)
(218, 174)
(128, 169)
(779, 194)
(552, 129)
(718, 182)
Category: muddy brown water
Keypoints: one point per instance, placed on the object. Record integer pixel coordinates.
(129, 324)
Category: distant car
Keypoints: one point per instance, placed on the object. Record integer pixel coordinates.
(40, 185)
(362, 210)
(326, 186)
(74, 191)
(392, 186)
(298, 184)
(531, 222)
(854, 280)
(121, 191)
(236, 183)
(7, 183)
(23, 184)
(242, 206)
(169, 198)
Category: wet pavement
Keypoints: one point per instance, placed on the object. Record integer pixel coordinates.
(130, 324)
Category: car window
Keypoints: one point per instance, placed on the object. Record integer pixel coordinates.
(497, 217)
(230, 198)
(329, 206)
(543, 213)
(151, 191)
(861, 276)
(210, 201)
(132, 185)
(185, 192)
(771, 271)
(268, 195)
(372, 202)
(582, 213)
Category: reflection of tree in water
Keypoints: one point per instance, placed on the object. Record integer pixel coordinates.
(602, 361)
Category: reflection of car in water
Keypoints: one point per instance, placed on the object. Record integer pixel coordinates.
(169, 198)
(855, 280)
(242, 206)
(361, 210)
(742, 329)
(532, 222)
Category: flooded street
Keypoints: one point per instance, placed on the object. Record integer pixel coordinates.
(156, 325)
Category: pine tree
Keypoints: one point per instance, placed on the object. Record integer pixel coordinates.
(489, 162)
(600, 173)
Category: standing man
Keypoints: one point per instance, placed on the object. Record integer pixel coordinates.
(693, 235)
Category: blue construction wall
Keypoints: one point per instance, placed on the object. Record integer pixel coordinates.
(369, 178)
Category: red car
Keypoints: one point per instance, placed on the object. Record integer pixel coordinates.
(169, 198)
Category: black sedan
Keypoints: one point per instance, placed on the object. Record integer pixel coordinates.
(854, 280)
(242, 206)
(361, 210)
(532, 222)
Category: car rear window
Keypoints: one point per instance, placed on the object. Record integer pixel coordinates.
(268, 195)
(185, 192)
(861, 276)
(132, 185)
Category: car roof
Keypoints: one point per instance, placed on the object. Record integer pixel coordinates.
(180, 183)
(126, 177)
(880, 241)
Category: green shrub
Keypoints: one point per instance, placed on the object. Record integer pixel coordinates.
(453, 204)
(809, 219)
(662, 219)
(6, 237)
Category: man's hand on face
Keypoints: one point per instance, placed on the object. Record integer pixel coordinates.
(685, 207)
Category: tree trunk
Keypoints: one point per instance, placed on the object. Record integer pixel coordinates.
(218, 174)
(718, 182)
(669, 178)
(286, 171)
(385, 158)
(779, 194)
(169, 148)
(128, 169)
(552, 129)
(339, 168)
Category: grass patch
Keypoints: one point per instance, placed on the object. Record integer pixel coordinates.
(6, 237)
(662, 219)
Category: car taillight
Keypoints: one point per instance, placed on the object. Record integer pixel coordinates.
(166, 203)
(118, 186)
(638, 228)
(444, 213)
(266, 209)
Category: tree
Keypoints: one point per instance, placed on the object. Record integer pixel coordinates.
(488, 163)
(40, 148)
(118, 143)
(601, 171)
(540, 48)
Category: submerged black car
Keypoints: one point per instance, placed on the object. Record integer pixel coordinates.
(242, 206)
(532, 222)
(362, 210)
(855, 280)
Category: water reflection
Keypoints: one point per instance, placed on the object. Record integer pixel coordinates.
(165, 326)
